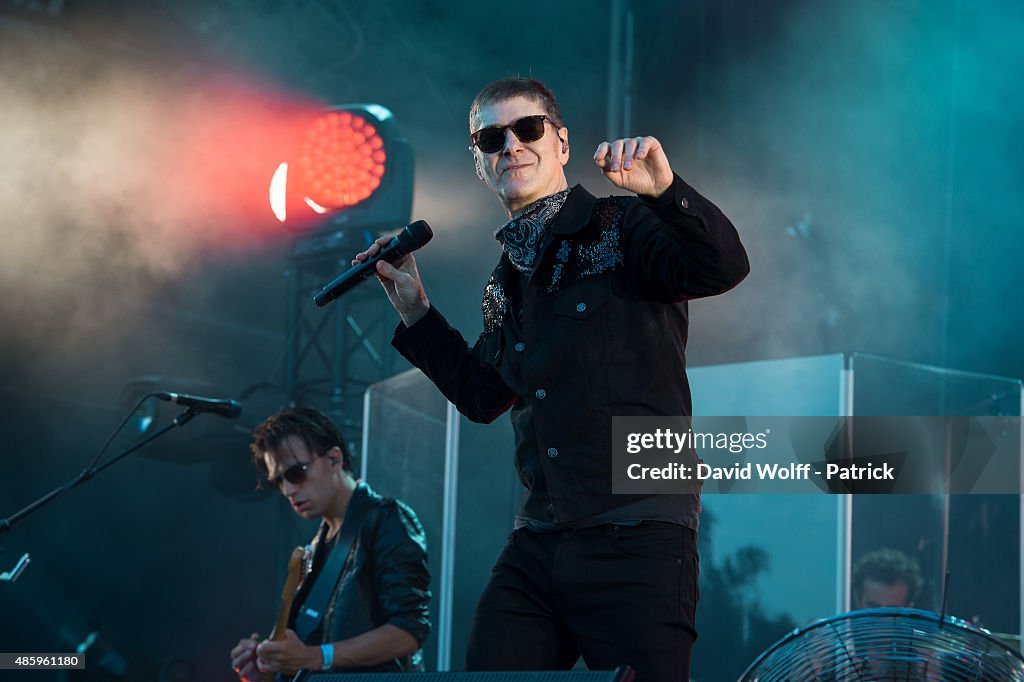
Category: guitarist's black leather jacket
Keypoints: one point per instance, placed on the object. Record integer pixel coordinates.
(385, 579)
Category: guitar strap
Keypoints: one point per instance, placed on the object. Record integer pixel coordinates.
(313, 608)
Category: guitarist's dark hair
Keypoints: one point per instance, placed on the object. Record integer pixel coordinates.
(309, 424)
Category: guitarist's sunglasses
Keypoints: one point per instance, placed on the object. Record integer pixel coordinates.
(492, 138)
(295, 474)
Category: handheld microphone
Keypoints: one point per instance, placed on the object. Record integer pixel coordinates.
(229, 409)
(408, 240)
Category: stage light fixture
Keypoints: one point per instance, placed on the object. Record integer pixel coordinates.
(349, 167)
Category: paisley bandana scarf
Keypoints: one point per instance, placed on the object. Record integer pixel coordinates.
(521, 237)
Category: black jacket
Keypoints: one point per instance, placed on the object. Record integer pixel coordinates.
(598, 330)
(385, 578)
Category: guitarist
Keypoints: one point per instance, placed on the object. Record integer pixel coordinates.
(362, 601)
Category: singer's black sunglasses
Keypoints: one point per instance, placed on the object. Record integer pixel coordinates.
(528, 129)
(295, 474)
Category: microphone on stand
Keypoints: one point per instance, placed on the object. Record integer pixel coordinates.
(229, 409)
(408, 240)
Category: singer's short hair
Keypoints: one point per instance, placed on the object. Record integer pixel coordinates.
(507, 88)
(309, 424)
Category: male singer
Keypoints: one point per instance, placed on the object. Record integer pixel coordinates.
(584, 318)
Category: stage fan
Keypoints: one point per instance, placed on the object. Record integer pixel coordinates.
(888, 644)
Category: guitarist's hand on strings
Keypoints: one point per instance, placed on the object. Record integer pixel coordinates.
(243, 658)
(288, 655)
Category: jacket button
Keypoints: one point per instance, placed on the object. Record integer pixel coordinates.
(520, 346)
(541, 394)
(580, 307)
(684, 202)
(552, 452)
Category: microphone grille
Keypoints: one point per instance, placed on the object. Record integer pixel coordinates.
(415, 235)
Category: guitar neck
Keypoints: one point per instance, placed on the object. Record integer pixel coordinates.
(291, 584)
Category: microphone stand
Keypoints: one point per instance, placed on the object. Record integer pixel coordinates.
(88, 474)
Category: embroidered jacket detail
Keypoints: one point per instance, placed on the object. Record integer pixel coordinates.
(494, 305)
(561, 258)
(577, 259)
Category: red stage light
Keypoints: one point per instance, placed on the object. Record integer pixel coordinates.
(342, 160)
(348, 166)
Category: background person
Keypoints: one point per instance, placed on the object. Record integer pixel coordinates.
(376, 617)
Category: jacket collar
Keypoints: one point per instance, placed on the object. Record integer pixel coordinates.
(573, 217)
(575, 213)
(361, 495)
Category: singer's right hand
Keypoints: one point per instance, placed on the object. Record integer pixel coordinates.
(401, 281)
(243, 659)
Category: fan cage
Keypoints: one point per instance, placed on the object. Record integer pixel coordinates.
(888, 644)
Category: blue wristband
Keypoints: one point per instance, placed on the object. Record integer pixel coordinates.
(327, 652)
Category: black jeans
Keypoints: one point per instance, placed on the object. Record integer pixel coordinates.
(617, 595)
